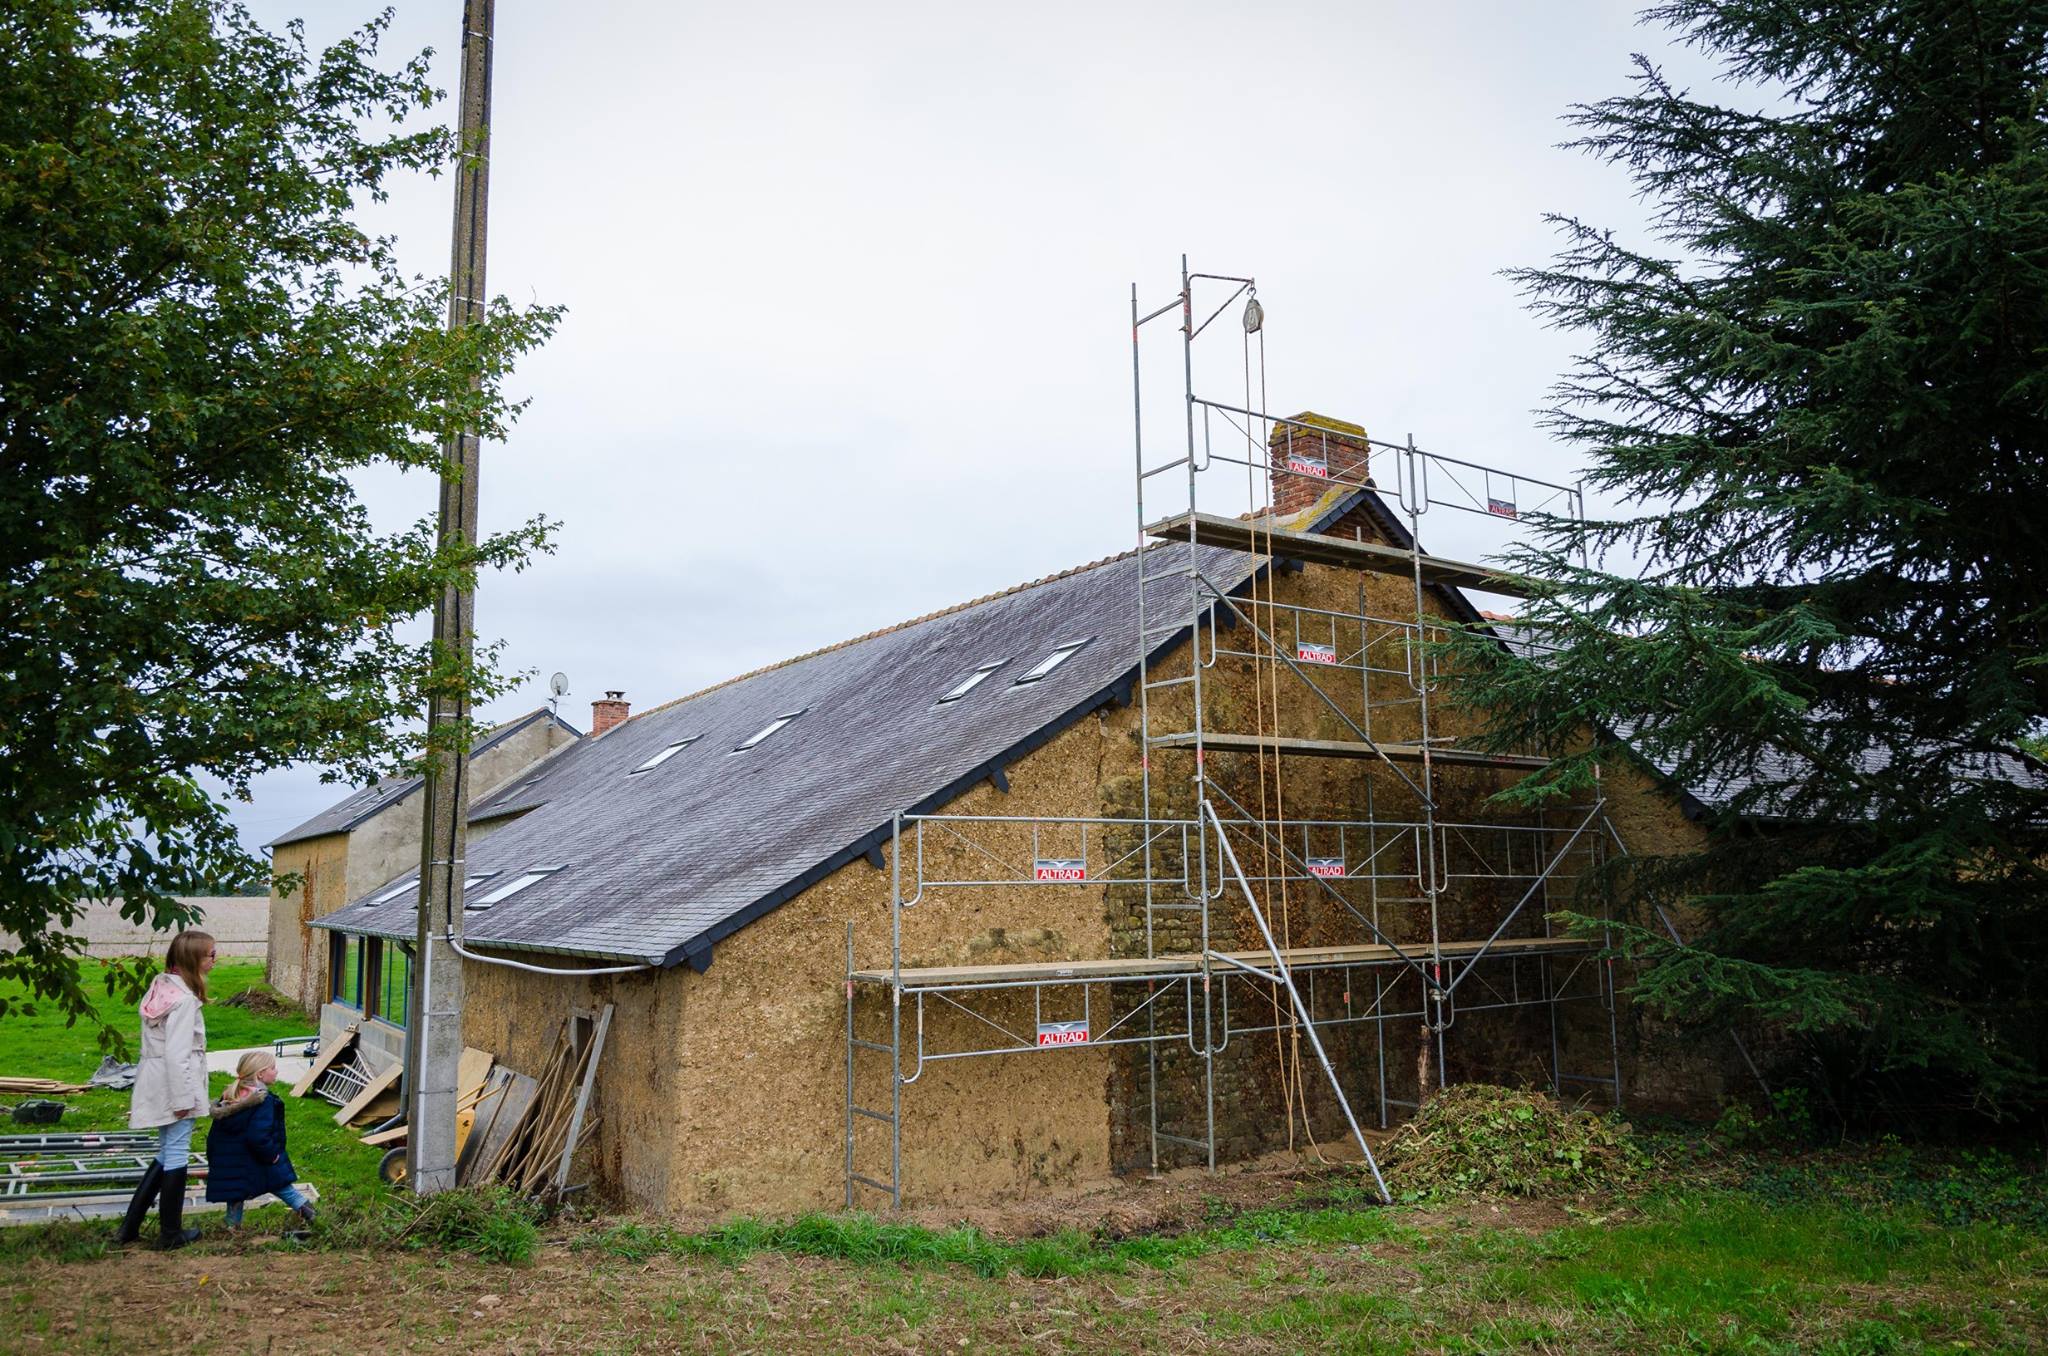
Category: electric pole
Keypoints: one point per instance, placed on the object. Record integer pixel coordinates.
(433, 1040)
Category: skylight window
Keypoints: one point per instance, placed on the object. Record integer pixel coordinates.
(664, 755)
(1051, 662)
(511, 887)
(770, 728)
(970, 682)
(412, 887)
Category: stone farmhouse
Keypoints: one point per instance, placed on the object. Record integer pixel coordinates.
(799, 1038)
(364, 840)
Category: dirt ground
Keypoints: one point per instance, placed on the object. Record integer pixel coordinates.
(1454, 1278)
(269, 1297)
(270, 1300)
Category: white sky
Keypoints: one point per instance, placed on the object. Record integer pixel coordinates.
(848, 286)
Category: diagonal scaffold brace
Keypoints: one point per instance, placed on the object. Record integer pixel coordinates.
(1285, 979)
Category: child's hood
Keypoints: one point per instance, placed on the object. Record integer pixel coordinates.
(166, 991)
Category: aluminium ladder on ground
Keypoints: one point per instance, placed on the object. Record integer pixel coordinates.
(22, 1177)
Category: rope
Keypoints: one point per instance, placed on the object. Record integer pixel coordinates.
(1287, 1049)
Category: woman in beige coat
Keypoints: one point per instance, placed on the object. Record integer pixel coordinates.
(170, 1085)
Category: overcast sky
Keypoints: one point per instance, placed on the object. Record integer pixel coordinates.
(848, 286)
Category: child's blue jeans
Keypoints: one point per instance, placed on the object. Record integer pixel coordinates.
(290, 1195)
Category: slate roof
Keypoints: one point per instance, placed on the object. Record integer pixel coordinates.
(659, 866)
(359, 806)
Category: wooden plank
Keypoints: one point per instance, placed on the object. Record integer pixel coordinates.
(1260, 537)
(465, 1105)
(373, 1089)
(552, 1116)
(1344, 748)
(1311, 957)
(512, 1105)
(342, 1042)
(470, 1073)
(604, 1024)
(512, 1168)
(42, 1085)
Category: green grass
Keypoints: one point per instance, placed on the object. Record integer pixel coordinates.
(1719, 1271)
(40, 1044)
(868, 1239)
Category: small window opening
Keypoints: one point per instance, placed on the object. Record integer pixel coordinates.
(511, 887)
(970, 682)
(663, 756)
(770, 728)
(1051, 662)
(411, 886)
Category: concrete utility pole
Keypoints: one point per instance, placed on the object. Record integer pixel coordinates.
(433, 1040)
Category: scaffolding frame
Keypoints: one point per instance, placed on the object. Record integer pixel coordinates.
(1190, 864)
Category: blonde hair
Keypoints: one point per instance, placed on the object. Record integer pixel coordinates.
(186, 951)
(246, 1083)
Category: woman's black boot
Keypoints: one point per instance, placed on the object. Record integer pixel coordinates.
(170, 1212)
(138, 1205)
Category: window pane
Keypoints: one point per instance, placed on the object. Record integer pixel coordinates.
(348, 972)
(968, 684)
(396, 983)
(770, 728)
(509, 888)
(662, 757)
(1051, 662)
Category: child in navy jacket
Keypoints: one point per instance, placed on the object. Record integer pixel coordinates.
(245, 1149)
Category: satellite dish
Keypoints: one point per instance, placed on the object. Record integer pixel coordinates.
(559, 685)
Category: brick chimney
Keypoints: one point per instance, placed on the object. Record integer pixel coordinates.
(608, 711)
(1306, 459)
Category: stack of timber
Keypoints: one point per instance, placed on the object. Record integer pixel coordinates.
(530, 1136)
(42, 1085)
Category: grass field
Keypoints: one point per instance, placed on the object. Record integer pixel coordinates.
(41, 1045)
(1850, 1250)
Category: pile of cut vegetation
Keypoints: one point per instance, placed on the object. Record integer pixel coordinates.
(262, 1000)
(1509, 1142)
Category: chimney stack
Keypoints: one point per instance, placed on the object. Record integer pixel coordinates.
(608, 711)
(1307, 459)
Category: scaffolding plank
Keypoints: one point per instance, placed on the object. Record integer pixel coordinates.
(1341, 748)
(1311, 957)
(1260, 537)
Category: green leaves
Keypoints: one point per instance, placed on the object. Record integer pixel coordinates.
(199, 348)
(1819, 390)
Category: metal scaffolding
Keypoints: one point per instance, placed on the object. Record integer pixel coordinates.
(1381, 883)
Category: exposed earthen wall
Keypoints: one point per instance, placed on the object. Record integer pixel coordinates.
(764, 1055)
(726, 1090)
(297, 964)
(641, 1091)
